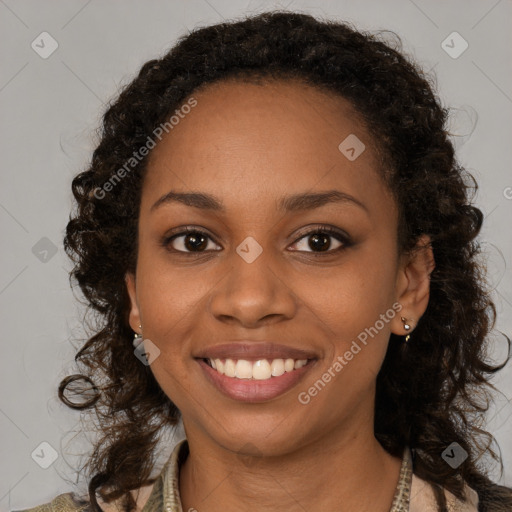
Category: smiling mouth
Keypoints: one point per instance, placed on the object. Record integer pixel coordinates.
(261, 369)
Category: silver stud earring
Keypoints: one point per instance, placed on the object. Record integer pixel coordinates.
(407, 327)
(137, 338)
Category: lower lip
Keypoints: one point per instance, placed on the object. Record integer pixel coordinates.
(254, 390)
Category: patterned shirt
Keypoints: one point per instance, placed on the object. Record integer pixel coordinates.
(412, 494)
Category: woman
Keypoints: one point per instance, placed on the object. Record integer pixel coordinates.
(276, 219)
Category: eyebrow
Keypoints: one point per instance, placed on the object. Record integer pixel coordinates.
(293, 203)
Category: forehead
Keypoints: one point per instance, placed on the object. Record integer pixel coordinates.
(258, 139)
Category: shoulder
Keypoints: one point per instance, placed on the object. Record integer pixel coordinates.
(148, 498)
(422, 498)
(67, 502)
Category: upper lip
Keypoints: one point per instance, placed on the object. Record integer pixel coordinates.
(254, 350)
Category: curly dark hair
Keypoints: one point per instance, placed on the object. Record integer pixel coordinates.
(445, 398)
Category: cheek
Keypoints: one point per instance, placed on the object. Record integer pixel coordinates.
(167, 294)
(165, 308)
(166, 303)
(355, 306)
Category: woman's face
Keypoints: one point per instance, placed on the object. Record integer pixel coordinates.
(260, 274)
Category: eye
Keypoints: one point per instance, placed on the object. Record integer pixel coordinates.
(319, 240)
(194, 240)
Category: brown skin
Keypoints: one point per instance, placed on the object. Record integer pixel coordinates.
(249, 145)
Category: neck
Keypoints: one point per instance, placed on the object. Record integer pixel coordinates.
(342, 471)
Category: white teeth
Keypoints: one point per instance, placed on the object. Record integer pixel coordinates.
(229, 368)
(289, 365)
(258, 370)
(277, 367)
(261, 370)
(243, 369)
(219, 365)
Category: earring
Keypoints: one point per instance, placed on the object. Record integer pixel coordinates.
(407, 327)
(137, 338)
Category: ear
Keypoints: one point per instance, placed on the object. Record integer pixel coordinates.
(134, 317)
(413, 285)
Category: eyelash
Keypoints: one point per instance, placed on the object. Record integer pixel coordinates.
(335, 233)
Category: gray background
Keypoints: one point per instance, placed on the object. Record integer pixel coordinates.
(50, 110)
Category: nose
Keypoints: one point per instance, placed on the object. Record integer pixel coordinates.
(253, 293)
